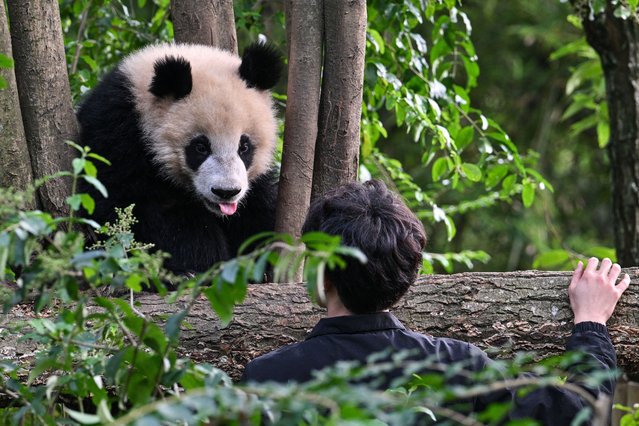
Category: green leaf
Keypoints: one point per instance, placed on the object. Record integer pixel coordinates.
(495, 175)
(78, 165)
(92, 64)
(74, 201)
(552, 259)
(377, 40)
(602, 252)
(83, 418)
(113, 364)
(5, 61)
(154, 338)
(96, 184)
(220, 303)
(172, 327)
(99, 158)
(472, 172)
(134, 282)
(465, 137)
(528, 194)
(622, 12)
(74, 145)
(603, 133)
(229, 273)
(628, 420)
(508, 184)
(90, 169)
(88, 203)
(451, 230)
(440, 167)
(257, 274)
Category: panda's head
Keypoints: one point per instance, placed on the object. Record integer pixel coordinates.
(207, 117)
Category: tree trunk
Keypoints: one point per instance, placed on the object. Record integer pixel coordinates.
(15, 164)
(209, 22)
(304, 29)
(617, 43)
(45, 95)
(515, 311)
(337, 148)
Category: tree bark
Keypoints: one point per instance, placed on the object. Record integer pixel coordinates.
(45, 95)
(304, 28)
(515, 311)
(617, 43)
(209, 22)
(337, 147)
(15, 164)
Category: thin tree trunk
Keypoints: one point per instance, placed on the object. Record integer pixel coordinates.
(515, 311)
(337, 148)
(15, 164)
(617, 43)
(45, 96)
(209, 22)
(304, 27)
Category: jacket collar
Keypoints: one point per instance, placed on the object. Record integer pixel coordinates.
(351, 324)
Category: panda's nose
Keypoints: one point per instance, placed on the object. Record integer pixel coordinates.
(225, 194)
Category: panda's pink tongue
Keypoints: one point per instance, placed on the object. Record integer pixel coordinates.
(228, 208)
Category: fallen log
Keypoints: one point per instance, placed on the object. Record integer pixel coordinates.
(503, 312)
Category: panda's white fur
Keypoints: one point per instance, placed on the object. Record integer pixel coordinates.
(218, 91)
(145, 135)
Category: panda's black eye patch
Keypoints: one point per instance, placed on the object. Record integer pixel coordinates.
(197, 151)
(245, 151)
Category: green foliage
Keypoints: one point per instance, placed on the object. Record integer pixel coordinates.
(421, 66)
(5, 63)
(586, 89)
(631, 418)
(100, 33)
(99, 356)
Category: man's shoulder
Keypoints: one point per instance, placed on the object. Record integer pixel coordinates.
(269, 365)
(448, 349)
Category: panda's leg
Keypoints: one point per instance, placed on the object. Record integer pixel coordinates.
(188, 233)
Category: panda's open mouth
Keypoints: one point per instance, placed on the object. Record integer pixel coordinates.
(223, 209)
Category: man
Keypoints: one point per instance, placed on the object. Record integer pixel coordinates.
(357, 298)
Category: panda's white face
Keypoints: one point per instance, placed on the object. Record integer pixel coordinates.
(220, 173)
(209, 133)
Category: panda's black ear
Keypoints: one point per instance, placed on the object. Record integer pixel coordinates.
(261, 66)
(171, 78)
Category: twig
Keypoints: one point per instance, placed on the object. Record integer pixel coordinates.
(84, 18)
(455, 416)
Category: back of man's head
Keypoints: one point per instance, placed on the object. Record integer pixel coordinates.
(372, 218)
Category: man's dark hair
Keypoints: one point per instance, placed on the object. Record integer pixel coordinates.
(373, 219)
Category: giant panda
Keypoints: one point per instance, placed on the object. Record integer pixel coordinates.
(190, 132)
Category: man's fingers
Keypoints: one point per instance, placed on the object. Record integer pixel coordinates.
(614, 273)
(592, 265)
(625, 282)
(577, 273)
(605, 266)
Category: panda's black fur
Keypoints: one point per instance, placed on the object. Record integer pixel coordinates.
(171, 213)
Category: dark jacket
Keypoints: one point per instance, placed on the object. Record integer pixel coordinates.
(357, 337)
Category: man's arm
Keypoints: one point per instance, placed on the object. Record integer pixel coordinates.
(593, 293)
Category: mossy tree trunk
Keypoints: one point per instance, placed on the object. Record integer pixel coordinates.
(15, 164)
(616, 41)
(45, 95)
(304, 32)
(513, 311)
(209, 22)
(337, 147)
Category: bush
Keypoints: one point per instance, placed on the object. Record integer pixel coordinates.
(99, 360)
